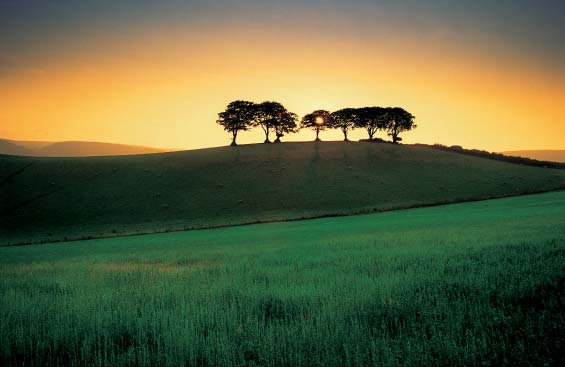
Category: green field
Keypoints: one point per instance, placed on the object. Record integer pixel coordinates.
(48, 199)
(472, 284)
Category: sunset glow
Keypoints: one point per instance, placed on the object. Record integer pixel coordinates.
(159, 74)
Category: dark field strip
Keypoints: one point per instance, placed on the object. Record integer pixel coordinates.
(143, 232)
(60, 199)
(475, 284)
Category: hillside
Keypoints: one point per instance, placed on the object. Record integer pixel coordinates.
(542, 155)
(70, 148)
(69, 198)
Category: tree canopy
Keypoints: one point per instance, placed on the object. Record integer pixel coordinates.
(285, 124)
(398, 120)
(345, 120)
(371, 119)
(318, 120)
(238, 116)
(267, 115)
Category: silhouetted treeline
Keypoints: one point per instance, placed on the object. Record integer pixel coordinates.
(273, 117)
(496, 156)
(269, 116)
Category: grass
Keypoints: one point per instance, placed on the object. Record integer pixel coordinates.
(48, 199)
(473, 284)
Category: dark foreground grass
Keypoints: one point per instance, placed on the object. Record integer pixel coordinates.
(475, 284)
(49, 199)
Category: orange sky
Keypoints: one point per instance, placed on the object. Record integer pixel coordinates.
(163, 86)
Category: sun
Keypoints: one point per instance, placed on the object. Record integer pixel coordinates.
(319, 120)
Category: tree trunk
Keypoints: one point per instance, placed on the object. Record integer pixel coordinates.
(278, 139)
(345, 135)
(267, 141)
(371, 133)
(317, 135)
(233, 143)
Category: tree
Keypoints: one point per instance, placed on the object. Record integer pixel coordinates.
(238, 116)
(317, 121)
(371, 119)
(398, 120)
(267, 114)
(285, 124)
(345, 120)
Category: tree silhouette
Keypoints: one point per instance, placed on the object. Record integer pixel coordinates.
(273, 116)
(317, 121)
(398, 120)
(267, 114)
(344, 120)
(371, 119)
(285, 124)
(238, 116)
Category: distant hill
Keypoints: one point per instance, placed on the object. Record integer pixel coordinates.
(542, 155)
(10, 147)
(70, 198)
(70, 148)
(31, 145)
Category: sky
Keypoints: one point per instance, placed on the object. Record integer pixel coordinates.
(482, 74)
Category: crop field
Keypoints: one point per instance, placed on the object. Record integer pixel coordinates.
(50, 199)
(471, 284)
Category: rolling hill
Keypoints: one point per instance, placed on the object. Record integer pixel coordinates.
(542, 155)
(46, 199)
(71, 148)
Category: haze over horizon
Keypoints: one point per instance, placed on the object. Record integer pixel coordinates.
(478, 74)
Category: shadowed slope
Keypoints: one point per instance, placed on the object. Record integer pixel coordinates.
(67, 198)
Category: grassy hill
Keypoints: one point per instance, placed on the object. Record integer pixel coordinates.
(68, 198)
(70, 148)
(473, 284)
(542, 155)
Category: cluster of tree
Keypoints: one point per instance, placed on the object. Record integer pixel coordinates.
(274, 117)
(269, 116)
(393, 120)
